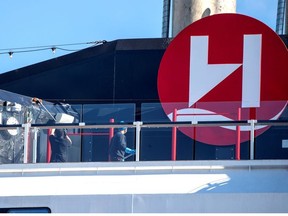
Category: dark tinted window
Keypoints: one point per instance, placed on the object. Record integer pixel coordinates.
(26, 210)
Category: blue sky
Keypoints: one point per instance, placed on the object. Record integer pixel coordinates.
(33, 23)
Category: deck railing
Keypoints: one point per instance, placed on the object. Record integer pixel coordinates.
(138, 126)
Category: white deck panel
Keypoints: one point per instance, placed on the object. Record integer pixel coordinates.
(166, 186)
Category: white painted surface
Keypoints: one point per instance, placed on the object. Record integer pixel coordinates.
(159, 187)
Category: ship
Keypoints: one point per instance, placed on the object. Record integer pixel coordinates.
(213, 161)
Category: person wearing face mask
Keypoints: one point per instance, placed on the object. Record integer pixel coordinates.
(118, 146)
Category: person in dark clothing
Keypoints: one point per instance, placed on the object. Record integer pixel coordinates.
(60, 143)
(118, 146)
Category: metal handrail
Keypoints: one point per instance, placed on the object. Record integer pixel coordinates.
(150, 124)
(138, 125)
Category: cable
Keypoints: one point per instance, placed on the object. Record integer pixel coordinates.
(21, 51)
(11, 51)
(59, 45)
(68, 50)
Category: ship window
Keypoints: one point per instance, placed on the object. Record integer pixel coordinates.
(26, 210)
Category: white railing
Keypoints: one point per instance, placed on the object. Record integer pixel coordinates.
(138, 125)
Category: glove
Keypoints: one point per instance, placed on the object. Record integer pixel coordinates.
(130, 151)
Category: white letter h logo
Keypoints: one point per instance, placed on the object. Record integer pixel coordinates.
(204, 77)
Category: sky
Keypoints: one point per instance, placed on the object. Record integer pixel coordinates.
(40, 25)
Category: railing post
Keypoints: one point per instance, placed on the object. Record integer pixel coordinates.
(237, 149)
(34, 157)
(111, 130)
(138, 129)
(174, 137)
(252, 136)
(111, 134)
(48, 152)
(27, 127)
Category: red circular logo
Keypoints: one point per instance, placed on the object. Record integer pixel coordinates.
(224, 67)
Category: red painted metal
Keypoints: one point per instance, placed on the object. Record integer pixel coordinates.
(174, 137)
(111, 134)
(48, 154)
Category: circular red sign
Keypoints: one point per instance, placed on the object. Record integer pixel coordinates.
(189, 82)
